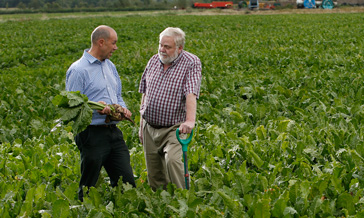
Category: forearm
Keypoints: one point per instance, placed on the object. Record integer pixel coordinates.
(122, 103)
(120, 99)
(189, 124)
(141, 106)
(141, 120)
(191, 105)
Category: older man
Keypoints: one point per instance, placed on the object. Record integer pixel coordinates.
(170, 86)
(101, 144)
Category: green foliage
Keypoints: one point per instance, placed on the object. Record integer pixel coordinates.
(279, 130)
(74, 107)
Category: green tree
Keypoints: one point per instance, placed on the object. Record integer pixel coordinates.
(55, 5)
(181, 3)
(21, 5)
(146, 2)
(83, 4)
(124, 3)
(36, 4)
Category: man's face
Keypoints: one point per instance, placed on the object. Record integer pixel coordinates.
(168, 51)
(109, 45)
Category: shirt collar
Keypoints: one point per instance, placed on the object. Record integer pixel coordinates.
(178, 58)
(91, 59)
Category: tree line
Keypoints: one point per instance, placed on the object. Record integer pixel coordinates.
(72, 4)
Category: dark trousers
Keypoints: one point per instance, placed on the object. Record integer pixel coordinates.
(102, 146)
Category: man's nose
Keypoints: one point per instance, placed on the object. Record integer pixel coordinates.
(162, 49)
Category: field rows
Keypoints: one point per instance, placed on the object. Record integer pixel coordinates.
(280, 129)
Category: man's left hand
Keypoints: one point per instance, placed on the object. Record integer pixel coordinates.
(127, 113)
(106, 109)
(186, 127)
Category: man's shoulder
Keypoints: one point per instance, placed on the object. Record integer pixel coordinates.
(189, 54)
(78, 66)
(190, 57)
(153, 60)
(80, 63)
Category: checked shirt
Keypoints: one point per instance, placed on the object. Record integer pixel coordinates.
(166, 91)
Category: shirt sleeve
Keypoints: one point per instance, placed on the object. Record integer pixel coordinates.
(74, 80)
(119, 87)
(193, 81)
(143, 84)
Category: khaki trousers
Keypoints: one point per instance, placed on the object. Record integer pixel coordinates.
(163, 156)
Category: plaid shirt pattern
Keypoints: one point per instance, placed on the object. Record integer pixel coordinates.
(166, 91)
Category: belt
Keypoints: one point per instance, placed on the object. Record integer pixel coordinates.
(158, 126)
(104, 126)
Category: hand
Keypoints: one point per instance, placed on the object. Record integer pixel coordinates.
(122, 110)
(186, 127)
(127, 113)
(106, 110)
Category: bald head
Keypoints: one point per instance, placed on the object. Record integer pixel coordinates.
(101, 32)
(103, 42)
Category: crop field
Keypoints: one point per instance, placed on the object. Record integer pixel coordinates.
(280, 130)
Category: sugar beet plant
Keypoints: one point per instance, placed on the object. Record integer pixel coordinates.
(280, 118)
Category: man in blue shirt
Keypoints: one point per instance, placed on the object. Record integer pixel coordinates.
(101, 144)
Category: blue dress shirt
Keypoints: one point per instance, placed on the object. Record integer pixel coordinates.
(98, 80)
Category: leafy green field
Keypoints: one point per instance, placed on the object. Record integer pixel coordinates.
(280, 128)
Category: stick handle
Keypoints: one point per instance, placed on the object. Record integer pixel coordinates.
(184, 142)
(187, 175)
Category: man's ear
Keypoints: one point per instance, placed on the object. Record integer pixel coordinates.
(101, 42)
(180, 48)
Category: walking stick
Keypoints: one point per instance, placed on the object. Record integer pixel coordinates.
(184, 143)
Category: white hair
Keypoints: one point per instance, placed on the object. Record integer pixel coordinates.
(177, 34)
